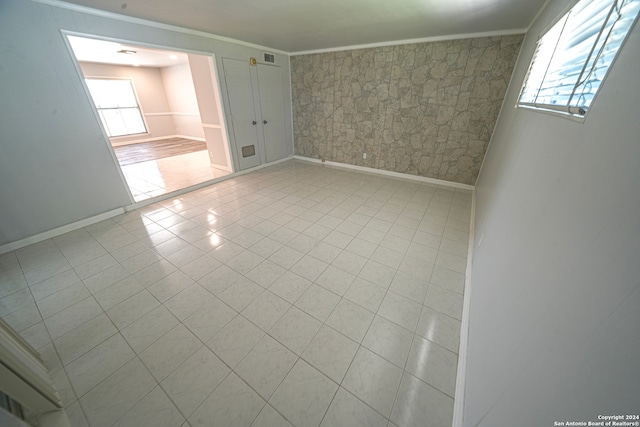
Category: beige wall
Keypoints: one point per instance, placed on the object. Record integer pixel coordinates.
(151, 94)
(181, 95)
(208, 101)
(424, 109)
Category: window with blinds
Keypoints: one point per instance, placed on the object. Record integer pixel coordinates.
(117, 106)
(573, 57)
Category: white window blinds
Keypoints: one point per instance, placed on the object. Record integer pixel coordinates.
(117, 106)
(572, 58)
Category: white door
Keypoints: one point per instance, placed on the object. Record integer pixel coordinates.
(243, 117)
(273, 108)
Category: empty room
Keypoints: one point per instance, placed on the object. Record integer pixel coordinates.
(411, 213)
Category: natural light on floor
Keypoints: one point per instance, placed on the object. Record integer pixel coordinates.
(162, 176)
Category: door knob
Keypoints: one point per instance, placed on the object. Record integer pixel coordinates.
(264, 121)
(255, 123)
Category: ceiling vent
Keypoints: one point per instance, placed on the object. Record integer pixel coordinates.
(270, 58)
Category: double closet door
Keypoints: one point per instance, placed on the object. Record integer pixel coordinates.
(257, 112)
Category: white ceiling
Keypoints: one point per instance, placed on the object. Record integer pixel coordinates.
(303, 25)
(106, 52)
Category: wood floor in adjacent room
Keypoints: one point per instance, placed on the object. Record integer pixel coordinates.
(155, 150)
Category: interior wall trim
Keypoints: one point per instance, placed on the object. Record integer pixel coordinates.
(12, 246)
(139, 21)
(195, 138)
(389, 173)
(458, 401)
(411, 41)
(171, 114)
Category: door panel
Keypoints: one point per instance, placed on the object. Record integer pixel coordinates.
(272, 106)
(243, 118)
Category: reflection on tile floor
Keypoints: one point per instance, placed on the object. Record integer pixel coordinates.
(295, 295)
(162, 176)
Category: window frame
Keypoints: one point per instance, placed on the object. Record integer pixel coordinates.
(564, 110)
(137, 100)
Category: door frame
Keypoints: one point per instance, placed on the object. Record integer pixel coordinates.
(220, 101)
(261, 100)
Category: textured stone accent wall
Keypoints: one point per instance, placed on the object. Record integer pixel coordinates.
(425, 109)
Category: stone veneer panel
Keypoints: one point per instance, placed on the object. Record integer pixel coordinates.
(424, 109)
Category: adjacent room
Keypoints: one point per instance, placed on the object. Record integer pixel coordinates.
(147, 101)
(327, 214)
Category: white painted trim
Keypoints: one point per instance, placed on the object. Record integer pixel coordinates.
(23, 374)
(551, 112)
(211, 126)
(410, 41)
(293, 134)
(124, 18)
(535, 18)
(186, 114)
(389, 173)
(182, 191)
(458, 402)
(139, 21)
(262, 166)
(172, 114)
(195, 138)
(8, 247)
(222, 167)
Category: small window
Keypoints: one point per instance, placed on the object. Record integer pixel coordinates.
(117, 106)
(573, 57)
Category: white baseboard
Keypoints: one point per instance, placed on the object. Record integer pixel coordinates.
(388, 173)
(262, 166)
(458, 402)
(221, 167)
(195, 138)
(8, 247)
(12, 246)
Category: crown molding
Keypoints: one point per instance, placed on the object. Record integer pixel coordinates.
(159, 25)
(411, 41)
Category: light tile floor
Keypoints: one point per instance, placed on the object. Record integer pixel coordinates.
(295, 295)
(162, 176)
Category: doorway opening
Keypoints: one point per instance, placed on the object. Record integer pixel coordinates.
(160, 110)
